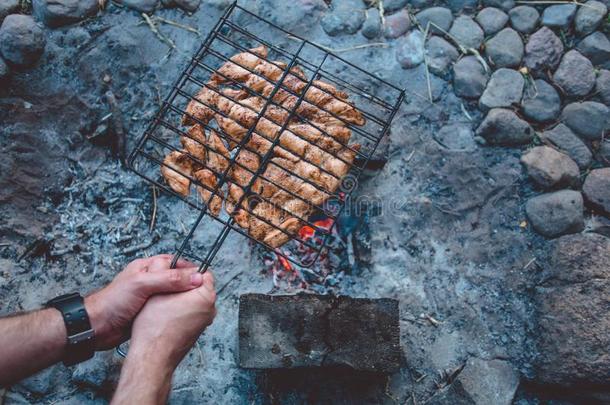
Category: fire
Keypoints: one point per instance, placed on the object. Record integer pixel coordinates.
(285, 263)
(325, 224)
(306, 232)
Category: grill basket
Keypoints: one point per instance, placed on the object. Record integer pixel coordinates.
(375, 98)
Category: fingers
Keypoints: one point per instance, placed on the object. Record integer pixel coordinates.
(169, 280)
(157, 263)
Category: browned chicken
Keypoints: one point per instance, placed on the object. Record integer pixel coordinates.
(180, 166)
(309, 158)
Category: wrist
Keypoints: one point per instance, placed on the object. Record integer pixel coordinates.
(99, 319)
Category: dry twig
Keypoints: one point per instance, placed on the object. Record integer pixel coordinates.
(176, 24)
(158, 34)
(154, 212)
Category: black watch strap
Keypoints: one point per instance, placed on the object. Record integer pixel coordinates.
(80, 334)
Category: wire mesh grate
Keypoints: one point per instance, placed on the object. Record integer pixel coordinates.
(286, 153)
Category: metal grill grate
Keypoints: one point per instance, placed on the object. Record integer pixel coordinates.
(374, 98)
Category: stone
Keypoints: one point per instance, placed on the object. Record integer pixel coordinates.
(588, 119)
(524, 18)
(342, 19)
(4, 70)
(8, 7)
(503, 127)
(97, 372)
(440, 55)
(596, 47)
(575, 74)
(559, 15)
(372, 25)
(503, 4)
(144, 6)
(603, 153)
(462, 5)
(505, 49)
(467, 32)
(440, 16)
(299, 18)
(410, 49)
(492, 20)
(573, 316)
(481, 382)
(564, 139)
(555, 214)
(505, 88)
(397, 24)
(543, 51)
(188, 5)
(56, 13)
(22, 41)
(589, 17)
(596, 190)
(456, 136)
(549, 168)
(541, 102)
(602, 86)
(390, 6)
(289, 331)
(469, 78)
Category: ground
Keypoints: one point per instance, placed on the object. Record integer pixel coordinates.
(457, 251)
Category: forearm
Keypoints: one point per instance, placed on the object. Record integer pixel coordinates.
(145, 378)
(30, 343)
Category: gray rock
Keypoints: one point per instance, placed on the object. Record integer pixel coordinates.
(504, 127)
(56, 13)
(461, 5)
(440, 16)
(549, 168)
(589, 17)
(571, 301)
(4, 69)
(543, 51)
(394, 5)
(397, 24)
(343, 18)
(492, 20)
(440, 55)
(603, 153)
(524, 18)
(467, 32)
(481, 382)
(541, 102)
(559, 15)
(22, 41)
(504, 89)
(102, 369)
(372, 25)
(597, 190)
(503, 4)
(596, 47)
(469, 78)
(456, 136)
(505, 49)
(144, 6)
(8, 7)
(563, 138)
(410, 49)
(575, 74)
(602, 86)
(188, 5)
(298, 18)
(588, 119)
(555, 214)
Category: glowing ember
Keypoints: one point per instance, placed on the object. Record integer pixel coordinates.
(325, 224)
(306, 232)
(285, 263)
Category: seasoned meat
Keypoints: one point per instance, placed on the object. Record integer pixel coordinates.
(207, 189)
(193, 144)
(179, 166)
(204, 105)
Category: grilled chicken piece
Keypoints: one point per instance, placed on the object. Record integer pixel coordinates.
(179, 166)
(236, 68)
(218, 154)
(194, 143)
(208, 179)
(202, 107)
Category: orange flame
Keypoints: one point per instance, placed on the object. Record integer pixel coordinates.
(285, 263)
(325, 224)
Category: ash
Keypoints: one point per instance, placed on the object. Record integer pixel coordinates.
(450, 247)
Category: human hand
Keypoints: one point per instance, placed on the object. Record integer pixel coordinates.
(113, 308)
(169, 325)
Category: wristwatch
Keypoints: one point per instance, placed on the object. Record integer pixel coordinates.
(81, 336)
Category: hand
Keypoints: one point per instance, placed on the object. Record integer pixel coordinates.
(169, 325)
(113, 309)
